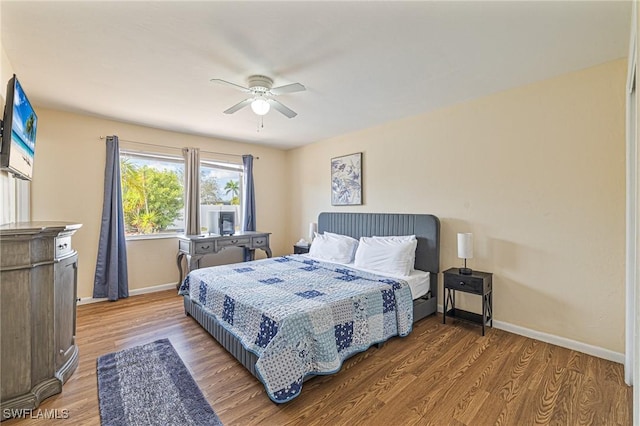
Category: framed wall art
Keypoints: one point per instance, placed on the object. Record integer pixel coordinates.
(346, 180)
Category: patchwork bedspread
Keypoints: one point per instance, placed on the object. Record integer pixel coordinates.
(301, 316)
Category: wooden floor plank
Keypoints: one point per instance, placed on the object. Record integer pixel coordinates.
(438, 375)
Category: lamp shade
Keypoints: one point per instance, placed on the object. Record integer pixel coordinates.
(260, 106)
(313, 228)
(465, 245)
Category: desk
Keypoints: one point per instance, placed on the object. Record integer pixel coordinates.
(195, 247)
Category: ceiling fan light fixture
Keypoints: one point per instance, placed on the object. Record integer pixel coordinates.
(261, 95)
(260, 106)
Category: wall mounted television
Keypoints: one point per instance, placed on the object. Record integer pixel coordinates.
(18, 132)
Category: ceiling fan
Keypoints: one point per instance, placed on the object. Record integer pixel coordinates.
(261, 95)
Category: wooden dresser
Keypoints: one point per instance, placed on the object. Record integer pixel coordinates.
(38, 280)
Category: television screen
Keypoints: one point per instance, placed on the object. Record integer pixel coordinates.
(19, 133)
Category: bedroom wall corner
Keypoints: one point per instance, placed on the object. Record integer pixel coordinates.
(307, 198)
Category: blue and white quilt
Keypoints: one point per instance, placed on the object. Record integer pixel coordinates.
(301, 316)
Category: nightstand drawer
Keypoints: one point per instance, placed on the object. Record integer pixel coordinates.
(459, 282)
(300, 249)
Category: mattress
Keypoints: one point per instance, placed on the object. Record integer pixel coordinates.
(419, 281)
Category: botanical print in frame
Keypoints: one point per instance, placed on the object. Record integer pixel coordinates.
(346, 180)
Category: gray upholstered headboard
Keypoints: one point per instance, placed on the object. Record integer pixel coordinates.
(425, 227)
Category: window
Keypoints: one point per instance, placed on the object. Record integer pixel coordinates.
(153, 192)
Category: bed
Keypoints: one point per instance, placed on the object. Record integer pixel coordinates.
(281, 362)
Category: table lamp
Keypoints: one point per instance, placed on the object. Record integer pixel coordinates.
(465, 251)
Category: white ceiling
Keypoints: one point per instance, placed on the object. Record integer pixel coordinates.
(363, 63)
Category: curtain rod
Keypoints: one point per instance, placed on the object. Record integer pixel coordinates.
(179, 149)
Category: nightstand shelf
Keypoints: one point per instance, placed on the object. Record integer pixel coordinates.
(479, 283)
(465, 315)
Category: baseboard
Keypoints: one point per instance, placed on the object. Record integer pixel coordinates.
(596, 351)
(134, 292)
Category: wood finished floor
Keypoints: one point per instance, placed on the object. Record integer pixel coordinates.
(438, 375)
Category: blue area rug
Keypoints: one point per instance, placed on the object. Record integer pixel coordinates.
(150, 385)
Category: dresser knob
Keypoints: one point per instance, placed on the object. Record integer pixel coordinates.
(461, 283)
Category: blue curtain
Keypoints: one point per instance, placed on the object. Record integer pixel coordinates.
(249, 200)
(111, 279)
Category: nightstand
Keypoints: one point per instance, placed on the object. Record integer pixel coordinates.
(479, 283)
(300, 249)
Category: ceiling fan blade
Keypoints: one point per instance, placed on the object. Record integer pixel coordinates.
(238, 106)
(289, 88)
(283, 109)
(228, 83)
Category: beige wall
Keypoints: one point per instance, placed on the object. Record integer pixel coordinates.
(537, 173)
(68, 185)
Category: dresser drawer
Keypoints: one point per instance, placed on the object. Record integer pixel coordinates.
(462, 283)
(230, 242)
(63, 246)
(204, 247)
(259, 242)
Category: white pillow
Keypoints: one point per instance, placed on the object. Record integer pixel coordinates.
(397, 237)
(333, 248)
(393, 256)
(404, 238)
(333, 235)
(350, 241)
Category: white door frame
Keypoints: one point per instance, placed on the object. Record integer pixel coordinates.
(632, 280)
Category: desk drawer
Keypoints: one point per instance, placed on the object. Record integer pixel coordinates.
(204, 247)
(468, 284)
(63, 246)
(260, 242)
(230, 242)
